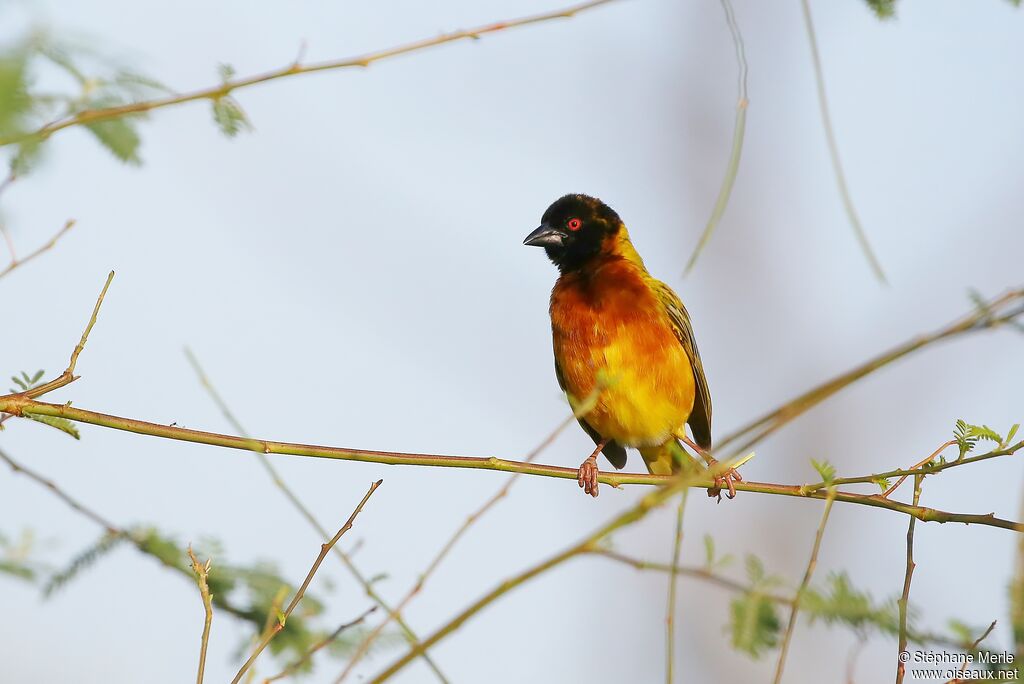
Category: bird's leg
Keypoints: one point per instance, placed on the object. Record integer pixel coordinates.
(587, 475)
(728, 479)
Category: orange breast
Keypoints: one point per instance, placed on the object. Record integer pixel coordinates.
(610, 329)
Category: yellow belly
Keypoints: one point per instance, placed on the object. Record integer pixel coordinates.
(644, 392)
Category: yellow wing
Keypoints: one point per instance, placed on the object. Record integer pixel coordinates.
(700, 417)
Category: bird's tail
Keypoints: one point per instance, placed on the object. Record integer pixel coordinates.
(667, 458)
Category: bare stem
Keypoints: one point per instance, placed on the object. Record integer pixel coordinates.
(308, 516)
(974, 647)
(739, 128)
(998, 311)
(202, 571)
(327, 640)
(804, 583)
(907, 577)
(283, 618)
(374, 634)
(68, 376)
(710, 577)
(221, 602)
(670, 608)
(650, 501)
(833, 147)
(16, 262)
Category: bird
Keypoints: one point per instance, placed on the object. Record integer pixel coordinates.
(625, 353)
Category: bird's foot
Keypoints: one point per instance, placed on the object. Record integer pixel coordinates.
(726, 480)
(587, 476)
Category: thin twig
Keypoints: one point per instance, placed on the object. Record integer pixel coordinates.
(972, 649)
(202, 571)
(997, 311)
(739, 128)
(833, 148)
(709, 577)
(221, 90)
(283, 618)
(115, 531)
(904, 601)
(920, 464)
(15, 262)
(294, 667)
(811, 564)
(68, 376)
(374, 634)
(670, 608)
(76, 505)
(307, 515)
(924, 467)
(646, 504)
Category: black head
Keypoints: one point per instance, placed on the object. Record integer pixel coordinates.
(574, 230)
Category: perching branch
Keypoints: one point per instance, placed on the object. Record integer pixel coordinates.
(222, 90)
(19, 405)
(304, 511)
(283, 618)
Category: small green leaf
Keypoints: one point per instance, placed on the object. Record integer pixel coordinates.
(15, 100)
(119, 137)
(754, 624)
(229, 116)
(883, 9)
(755, 569)
(226, 71)
(62, 424)
(825, 469)
(882, 482)
(1012, 433)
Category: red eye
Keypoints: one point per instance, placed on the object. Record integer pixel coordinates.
(574, 224)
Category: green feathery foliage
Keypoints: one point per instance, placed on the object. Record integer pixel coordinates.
(251, 593)
(16, 557)
(81, 562)
(886, 9)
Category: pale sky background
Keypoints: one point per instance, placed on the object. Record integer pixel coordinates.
(351, 273)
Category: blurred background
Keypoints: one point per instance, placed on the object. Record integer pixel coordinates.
(350, 273)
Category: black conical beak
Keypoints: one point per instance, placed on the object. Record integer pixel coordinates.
(545, 236)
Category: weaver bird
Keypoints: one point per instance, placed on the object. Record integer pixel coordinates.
(625, 354)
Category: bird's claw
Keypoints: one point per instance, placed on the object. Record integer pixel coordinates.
(587, 476)
(726, 480)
